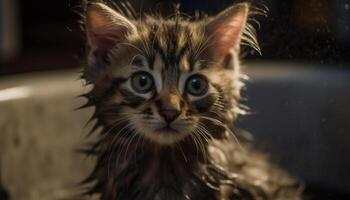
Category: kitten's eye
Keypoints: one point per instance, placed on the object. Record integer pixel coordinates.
(142, 82)
(197, 85)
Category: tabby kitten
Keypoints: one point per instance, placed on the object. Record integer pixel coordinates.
(166, 91)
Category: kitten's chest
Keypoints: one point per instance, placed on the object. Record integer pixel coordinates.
(166, 178)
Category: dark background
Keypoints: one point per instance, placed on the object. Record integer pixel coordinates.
(315, 31)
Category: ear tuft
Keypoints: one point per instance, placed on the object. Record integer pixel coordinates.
(226, 29)
(106, 27)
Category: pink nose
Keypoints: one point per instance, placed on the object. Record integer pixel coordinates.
(169, 115)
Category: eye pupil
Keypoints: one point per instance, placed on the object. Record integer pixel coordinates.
(143, 80)
(196, 84)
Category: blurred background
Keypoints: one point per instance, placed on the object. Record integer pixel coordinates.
(298, 94)
(46, 35)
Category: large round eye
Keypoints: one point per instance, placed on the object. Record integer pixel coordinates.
(197, 85)
(142, 82)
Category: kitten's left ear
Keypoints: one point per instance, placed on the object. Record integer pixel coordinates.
(105, 28)
(226, 29)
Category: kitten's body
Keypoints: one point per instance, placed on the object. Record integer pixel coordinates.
(146, 151)
(231, 172)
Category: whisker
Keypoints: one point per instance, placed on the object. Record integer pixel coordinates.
(202, 126)
(127, 142)
(205, 133)
(115, 141)
(115, 145)
(116, 124)
(138, 141)
(182, 152)
(135, 135)
(201, 145)
(226, 128)
(195, 142)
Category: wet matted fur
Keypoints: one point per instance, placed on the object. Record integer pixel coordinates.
(166, 91)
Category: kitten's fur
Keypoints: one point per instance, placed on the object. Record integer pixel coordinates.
(199, 156)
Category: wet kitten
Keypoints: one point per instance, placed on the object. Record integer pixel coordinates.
(166, 91)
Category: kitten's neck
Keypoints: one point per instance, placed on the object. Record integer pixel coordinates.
(149, 171)
(155, 163)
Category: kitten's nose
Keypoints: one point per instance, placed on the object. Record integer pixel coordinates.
(169, 106)
(169, 115)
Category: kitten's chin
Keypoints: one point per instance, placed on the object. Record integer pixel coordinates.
(166, 136)
(162, 134)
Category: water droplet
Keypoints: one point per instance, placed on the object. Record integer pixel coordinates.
(347, 7)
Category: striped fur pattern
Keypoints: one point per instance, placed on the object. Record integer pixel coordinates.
(165, 91)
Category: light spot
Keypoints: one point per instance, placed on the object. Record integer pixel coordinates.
(14, 93)
(184, 65)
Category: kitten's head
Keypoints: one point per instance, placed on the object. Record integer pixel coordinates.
(164, 79)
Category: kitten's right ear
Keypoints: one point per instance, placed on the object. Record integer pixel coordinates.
(226, 29)
(104, 29)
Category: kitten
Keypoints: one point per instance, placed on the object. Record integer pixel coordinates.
(166, 91)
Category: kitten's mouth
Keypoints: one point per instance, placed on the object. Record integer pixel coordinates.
(164, 134)
(167, 129)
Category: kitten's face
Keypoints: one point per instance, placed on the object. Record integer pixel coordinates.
(164, 79)
(165, 101)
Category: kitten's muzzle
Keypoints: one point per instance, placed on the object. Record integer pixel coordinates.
(169, 115)
(169, 106)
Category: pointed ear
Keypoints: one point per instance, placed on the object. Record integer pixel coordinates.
(105, 28)
(226, 29)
